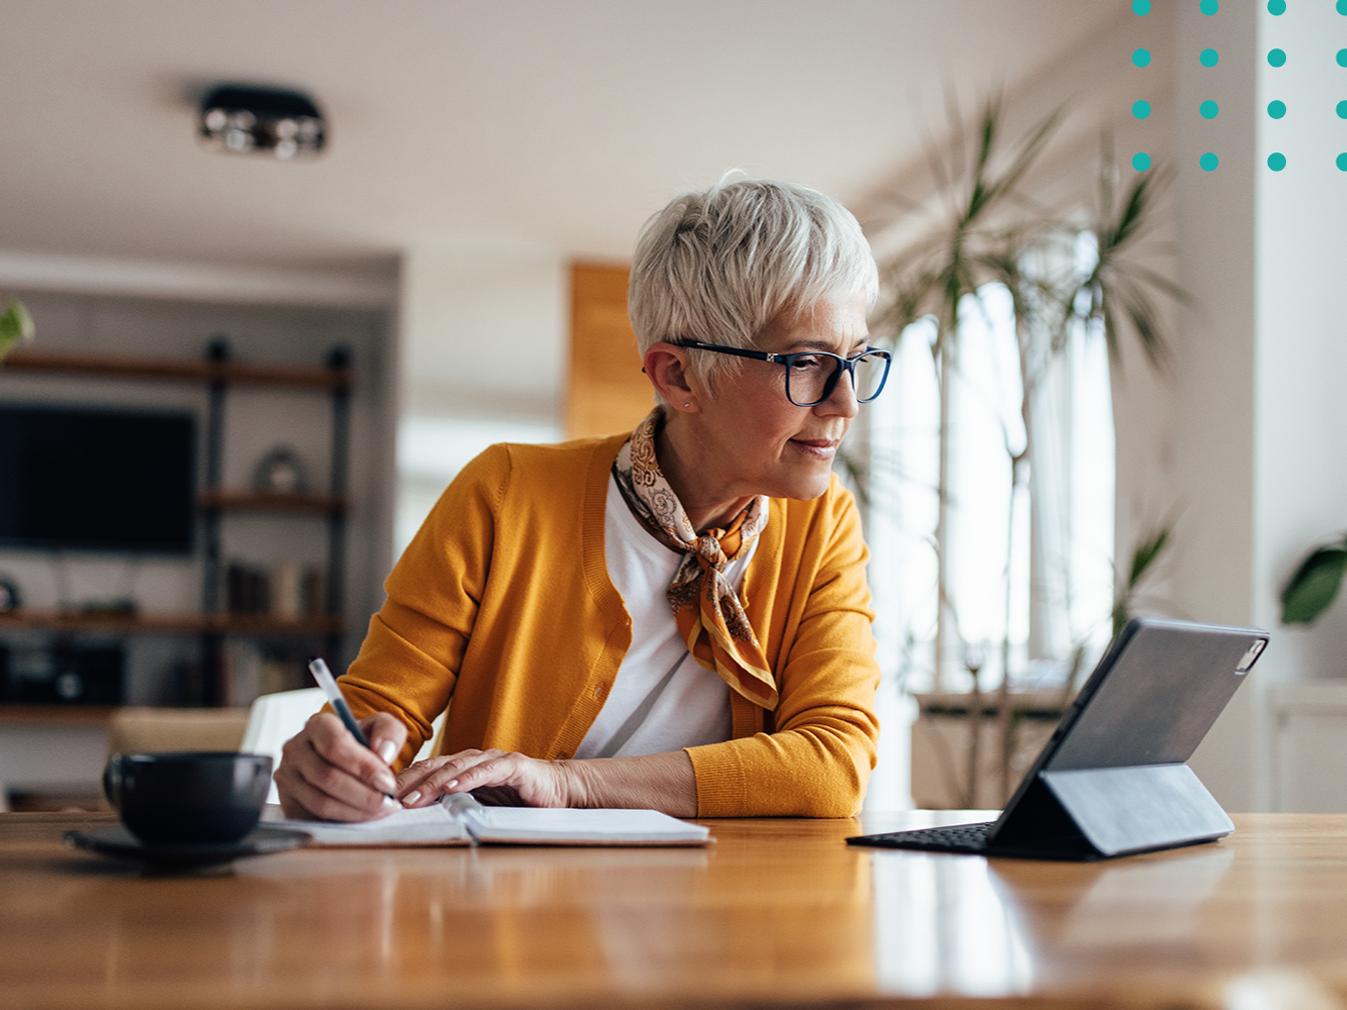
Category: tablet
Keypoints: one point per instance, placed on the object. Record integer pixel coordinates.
(1114, 779)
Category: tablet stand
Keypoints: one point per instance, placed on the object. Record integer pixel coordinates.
(1092, 812)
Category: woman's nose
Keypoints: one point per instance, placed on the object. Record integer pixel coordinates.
(842, 400)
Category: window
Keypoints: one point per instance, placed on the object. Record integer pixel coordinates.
(1058, 562)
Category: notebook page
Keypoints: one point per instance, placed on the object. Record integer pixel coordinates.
(599, 827)
(431, 825)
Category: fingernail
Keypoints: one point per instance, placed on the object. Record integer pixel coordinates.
(387, 783)
(391, 805)
(411, 797)
(452, 784)
(388, 750)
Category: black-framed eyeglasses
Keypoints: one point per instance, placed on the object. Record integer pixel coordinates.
(811, 376)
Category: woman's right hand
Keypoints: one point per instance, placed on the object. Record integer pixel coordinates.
(325, 773)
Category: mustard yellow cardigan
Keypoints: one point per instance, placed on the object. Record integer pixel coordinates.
(502, 605)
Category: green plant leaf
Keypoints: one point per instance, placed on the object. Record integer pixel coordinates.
(1161, 283)
(1145, 555)
(16, 326)
(1314, 584)
(1111, 335)
(1133, 213)
(15, 322)
(1141, 313)
(1029, 150)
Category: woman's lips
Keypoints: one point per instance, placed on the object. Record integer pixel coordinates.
(819, 448)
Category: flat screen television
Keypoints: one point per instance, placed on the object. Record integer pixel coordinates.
(79, 478)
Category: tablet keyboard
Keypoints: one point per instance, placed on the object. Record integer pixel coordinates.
(952, 838)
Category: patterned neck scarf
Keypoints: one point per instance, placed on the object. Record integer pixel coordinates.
(707, 611)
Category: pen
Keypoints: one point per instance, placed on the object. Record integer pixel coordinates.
(329, 685)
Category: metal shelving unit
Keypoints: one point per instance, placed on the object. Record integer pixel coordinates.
(219, 372)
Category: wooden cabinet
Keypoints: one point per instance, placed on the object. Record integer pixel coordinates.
(606, 390)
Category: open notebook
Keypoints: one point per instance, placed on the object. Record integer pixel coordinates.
(459, 819)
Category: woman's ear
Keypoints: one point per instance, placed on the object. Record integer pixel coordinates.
(666, 366)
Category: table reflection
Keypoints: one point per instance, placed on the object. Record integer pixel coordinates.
(976, 926)
(947, 923)
(555, 919)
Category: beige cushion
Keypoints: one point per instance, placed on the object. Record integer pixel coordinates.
(149, 730)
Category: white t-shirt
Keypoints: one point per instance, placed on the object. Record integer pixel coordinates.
(663, 699)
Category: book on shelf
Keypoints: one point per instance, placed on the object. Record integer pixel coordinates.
(252, 669)
(285, 590)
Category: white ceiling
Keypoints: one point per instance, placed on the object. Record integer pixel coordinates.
(551, 124)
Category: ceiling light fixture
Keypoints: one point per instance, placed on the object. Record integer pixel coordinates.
(242, 119)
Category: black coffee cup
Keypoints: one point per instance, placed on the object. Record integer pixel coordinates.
(188, 797)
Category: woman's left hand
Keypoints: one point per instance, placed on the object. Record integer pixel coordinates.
(535, 782)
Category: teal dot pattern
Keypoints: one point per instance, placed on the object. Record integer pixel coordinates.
(1141, 109)
(1209, 109)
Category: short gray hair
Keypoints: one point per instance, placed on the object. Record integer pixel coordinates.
(720, 265)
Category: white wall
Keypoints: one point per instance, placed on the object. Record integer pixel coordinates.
(1257, 410)
(1212, 408)
(482, 350)
(1300, 359)
(1301, 325)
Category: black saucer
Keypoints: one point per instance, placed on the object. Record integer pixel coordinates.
(119, 843)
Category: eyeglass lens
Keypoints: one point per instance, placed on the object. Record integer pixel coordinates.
(809, 379)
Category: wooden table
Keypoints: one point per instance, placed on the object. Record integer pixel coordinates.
(776, 912)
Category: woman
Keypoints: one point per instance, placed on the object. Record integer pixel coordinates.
(675, 617)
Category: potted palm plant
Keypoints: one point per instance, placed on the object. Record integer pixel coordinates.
(995, 234)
